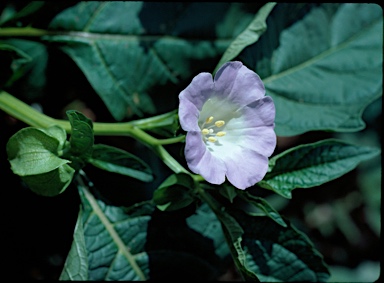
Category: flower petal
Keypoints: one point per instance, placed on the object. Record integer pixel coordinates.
(199, 90)
(239, 84)
(188, 115)
(261, 112)
(259, 139)
(246, 168)
(201, 161)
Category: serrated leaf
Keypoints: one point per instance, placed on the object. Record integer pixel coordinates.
(119, 161)
(140, 243)
(31, 151)
(174, 193)
(311, 165)
(279, 254)
(125, 56)
(325, 69)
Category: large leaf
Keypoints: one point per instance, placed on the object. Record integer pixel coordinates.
(325, 69)
(279, 254)
(125, 55)
(311, 165)
(141, 243)
(76, 265)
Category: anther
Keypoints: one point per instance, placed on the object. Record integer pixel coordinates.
(205, 131)
(219, 123)
(209, 120)
(220, 134)
(212, 139)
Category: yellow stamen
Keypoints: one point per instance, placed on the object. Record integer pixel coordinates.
(219, 123)
(221, 134)
(209, 120)
(212, 139)
(205, 131)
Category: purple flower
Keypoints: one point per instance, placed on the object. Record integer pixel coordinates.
(230, 126)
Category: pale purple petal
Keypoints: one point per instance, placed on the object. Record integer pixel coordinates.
(260, 139)
(238, 84)
(256, 114)
(201, 161)
(199, 90)
(188, 115)
(246, 168)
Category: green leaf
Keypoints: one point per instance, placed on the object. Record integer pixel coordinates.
(140, 243)
(264, 206)
(30, 9)
(12, 59)
(249, 36)
(119, 161)
(205, 222)
(34, 156)
(76, 264)
(325, 69)
(229, 192)
(311, 165)
(50, 183)
(32, 151)
(81, 134)
(29, 71)
(58, 133)
(279, 254)
(174, 193)
(233, 233)
(126, 56)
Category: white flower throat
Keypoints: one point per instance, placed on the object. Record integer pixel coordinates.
(210, 130)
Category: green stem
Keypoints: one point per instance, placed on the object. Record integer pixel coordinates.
(24, 31)
(169, 160)
(25, 113)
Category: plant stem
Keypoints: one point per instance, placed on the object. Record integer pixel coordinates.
(24, 31)
(25, 113)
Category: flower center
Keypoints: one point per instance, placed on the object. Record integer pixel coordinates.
(211, 133)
